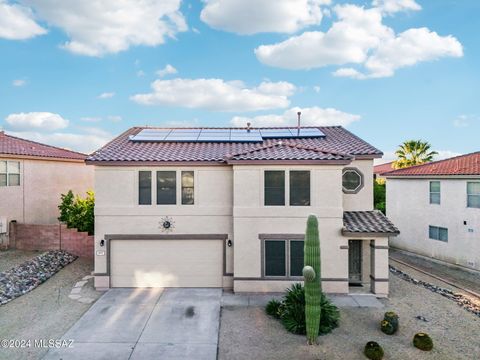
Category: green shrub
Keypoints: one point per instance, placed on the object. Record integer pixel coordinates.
(379, 198)
(292, 312)
(387, 327)
(273, 308)
(423, 342)
(373, 351)
(78, 212)
(392, 318)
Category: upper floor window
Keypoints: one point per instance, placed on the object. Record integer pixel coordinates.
(434, 192)
(274, 188)
(166, 187)
(473, 194)
(187, 188)
(145, 188)
(352, 180)
(300, 188)
(438, 233)
(9, 173)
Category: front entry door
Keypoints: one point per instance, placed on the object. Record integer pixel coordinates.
(354, 262)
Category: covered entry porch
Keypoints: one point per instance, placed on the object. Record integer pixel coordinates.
(367, 234)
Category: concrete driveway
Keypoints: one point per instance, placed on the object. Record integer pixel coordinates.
(147, 324)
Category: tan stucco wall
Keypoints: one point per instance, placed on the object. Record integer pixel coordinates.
(408, 206)
(363, 200)
(42, 182)
(117, 210)
(229, 200)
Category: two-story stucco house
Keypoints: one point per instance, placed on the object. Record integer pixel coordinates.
(32, 178)
(227, 207)
(436, 206)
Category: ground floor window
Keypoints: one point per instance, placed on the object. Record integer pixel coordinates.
(438, 233)
(283, 258)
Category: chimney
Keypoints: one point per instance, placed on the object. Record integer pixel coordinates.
(298, 123)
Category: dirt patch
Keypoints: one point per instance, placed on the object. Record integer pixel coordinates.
(12, 258)
(247, 333)
(45, 312)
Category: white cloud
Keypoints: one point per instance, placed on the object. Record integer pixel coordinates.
(167, 70)
(255, 16)
(311, 116)
(114, 118)
(93, 119)
(393, 6)
(17, 22)
(41, 121)
(316, 89)
(359, 37)
(140, 73)
(96, 28)
(106, 95)
(19, 82)
(463, 120)
(217, 94)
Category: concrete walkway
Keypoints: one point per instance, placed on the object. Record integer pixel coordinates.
(147, 324)
(354, 300)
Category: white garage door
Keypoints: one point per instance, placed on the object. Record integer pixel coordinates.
(166, 263)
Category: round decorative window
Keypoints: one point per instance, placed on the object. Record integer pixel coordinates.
(352, 180)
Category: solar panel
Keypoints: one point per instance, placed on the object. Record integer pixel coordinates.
(224, 135)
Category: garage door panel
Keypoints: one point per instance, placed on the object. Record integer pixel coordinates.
(166, 263)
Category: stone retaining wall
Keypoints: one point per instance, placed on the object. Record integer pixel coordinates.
(51, 237)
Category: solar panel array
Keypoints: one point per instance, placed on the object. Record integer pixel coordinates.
(223, 135)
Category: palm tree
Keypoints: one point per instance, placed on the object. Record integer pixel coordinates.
(413, 152)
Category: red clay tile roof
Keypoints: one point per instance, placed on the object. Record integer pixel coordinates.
(468, 164)
(383, 168)
(369, 222)
(338, 143)
(11, 145)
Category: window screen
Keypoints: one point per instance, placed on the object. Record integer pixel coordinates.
(187, 188)
(434, 192)
(438, 233)
(144, 187)
(275, 188)
(296, 257)
(275, 257)
(166, 188)
(473, 194)
(300, 188)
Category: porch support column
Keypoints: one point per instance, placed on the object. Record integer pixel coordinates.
(379, 266)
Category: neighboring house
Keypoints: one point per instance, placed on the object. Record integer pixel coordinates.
(378, 170)
(227, 207)
(32, 178)
(436, 206)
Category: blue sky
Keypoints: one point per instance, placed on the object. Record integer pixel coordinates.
(362, 64)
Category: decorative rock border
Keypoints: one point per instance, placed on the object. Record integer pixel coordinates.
(76, 293)
(460, 299)
(27, 276)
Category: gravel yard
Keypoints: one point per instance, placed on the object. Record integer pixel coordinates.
(247, 333)
(12, 258)
(46, 312)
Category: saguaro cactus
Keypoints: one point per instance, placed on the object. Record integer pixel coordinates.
(312, 277)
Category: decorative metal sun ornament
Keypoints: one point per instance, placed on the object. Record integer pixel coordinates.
(167, 224)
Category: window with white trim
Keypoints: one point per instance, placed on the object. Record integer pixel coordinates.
(9, 173)
(283, 258)
(473, 194)
(435, 192)
(438, 233)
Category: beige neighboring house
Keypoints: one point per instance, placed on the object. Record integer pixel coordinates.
(436, 206)
(32, 178)
(227, 208)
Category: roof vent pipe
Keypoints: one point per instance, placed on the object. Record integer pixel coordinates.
(298, 123)
(248, 126)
